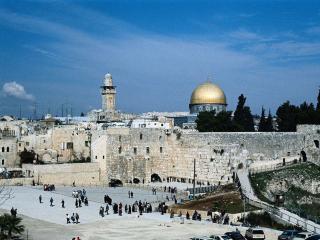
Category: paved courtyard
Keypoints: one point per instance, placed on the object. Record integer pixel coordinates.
(45, 222)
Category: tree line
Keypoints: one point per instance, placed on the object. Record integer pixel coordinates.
(288, 116)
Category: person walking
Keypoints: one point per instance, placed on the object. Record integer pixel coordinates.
(51, 202)
(77, 218)
(129, 210)
(79, 203)
(68, 218)
(62, 203)
(76, 203)
(107, 209)
(40, 199)
(73, 219)
(131, 194)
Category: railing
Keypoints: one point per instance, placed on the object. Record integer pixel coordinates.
(277, 166)
(199, 190)
(304, 223)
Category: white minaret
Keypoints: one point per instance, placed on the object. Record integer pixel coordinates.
(108, 94)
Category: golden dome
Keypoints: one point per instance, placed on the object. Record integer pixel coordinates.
(208, 93)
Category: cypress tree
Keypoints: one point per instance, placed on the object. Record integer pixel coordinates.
(262, 123)
(318, 102)
(269, 123)
(242, 116)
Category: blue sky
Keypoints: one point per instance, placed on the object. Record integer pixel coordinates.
(57, 52)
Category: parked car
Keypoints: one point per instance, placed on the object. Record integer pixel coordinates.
(302, 235)
(76, 193)
(235, 235)
(255, 234)
(288, 235)
(314, 237)
(201, 238)
(220, 237)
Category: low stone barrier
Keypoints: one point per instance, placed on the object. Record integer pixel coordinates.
(16, 181)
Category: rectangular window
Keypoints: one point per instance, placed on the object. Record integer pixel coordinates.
(120, 150)
(19, 144)
(147, 150)
(161, 149)
(2, 162)
(135, 150)
(140, 136)
(69, 145)
(86, 143)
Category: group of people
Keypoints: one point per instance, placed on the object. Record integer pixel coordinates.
(173, 198)
(154, 191)
(170, 189)
(13, 212)
(130, 193)
(74, 218)
(141, 207)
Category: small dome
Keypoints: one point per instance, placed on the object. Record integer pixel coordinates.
(108, 75)
(208, 93)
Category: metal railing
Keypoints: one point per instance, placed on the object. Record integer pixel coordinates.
(273, 167)
(200, 190)
(280, 213)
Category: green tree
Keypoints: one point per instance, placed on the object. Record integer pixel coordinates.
(242, 116)
(204, 121)
(287, 115)
(318, 102)
(269, 123)
(27, 156)
(212, 122)
(263, 121)
(10, 225)
(222, 122)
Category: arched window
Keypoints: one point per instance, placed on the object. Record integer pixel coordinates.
(8, 149)
(2, 149)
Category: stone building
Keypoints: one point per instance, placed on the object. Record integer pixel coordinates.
(62, 143)
(8, 148)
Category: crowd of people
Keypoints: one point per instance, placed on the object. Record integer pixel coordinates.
(137, 206)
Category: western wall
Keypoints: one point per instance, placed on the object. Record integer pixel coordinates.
(136, 154)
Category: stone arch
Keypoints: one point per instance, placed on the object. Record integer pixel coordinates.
(47, 156)
(316, 142)
(115, 183)
(136, 180)
(155, 178)
(304, 156)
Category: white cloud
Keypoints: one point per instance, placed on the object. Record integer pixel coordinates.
(16, 90)
(243, 34)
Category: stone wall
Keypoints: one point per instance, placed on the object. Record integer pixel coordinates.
(85, 174)
(128, 154)
(16, 181)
